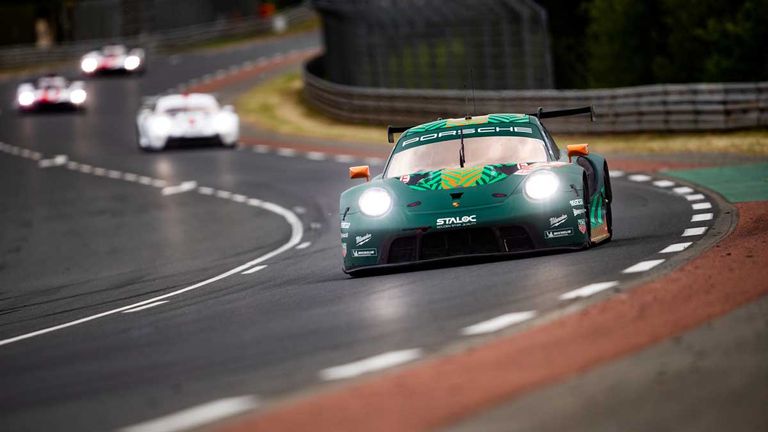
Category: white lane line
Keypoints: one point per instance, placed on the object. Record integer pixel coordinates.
(140, 308)
(131, 177)
(318, 156)
(55, 161)
(694, 197)
(702, 217)
(299, 210)
(114, 174)
(701, 206)
(304, 245)
(370, 364)
(297, 232)
(37, 155)
(73, 165)
(197, 416)
(643, 266)
(205, 190)
(677, 247)
(260, 148)
(343, 158)
(639, 178)
(181, 188)
(238, 198)
(498, 323)
(99, 171)
(86, 169)
(159, 183)
(286, 151)
(663, 183)
(588, 290)
(689, 232)
(255, 269)
(682, 190)
(223, 194)
(254, 202)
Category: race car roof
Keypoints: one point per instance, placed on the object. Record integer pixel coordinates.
(176, 101)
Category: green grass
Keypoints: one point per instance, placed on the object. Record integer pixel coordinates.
(277, 105)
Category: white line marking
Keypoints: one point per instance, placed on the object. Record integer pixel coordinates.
(588, 290)
(702, 217)
(205, 190)
(159, 183)
(689, 232)
(299, 210)
(239, 198)
(370, 364)
(643, 266)
(197, 416)
(639, 178)
(498, 323)
(85, 169)
(99, 171)
(181, 188)
(261, 148)
(287, 152)
(140, 308)
(255, 269)
(304, 245)
(694, 197)
(663, 183)
(37, 155)
(223, 194)
(131, 177)
(317, 156)
(677, 247)
(114, 174)
(73, 165)
(297, 232)
(343, 158)
(55, 161)
(254, 202)
(701, 206)
(682, 190)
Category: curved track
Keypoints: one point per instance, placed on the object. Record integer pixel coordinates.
(78, 242)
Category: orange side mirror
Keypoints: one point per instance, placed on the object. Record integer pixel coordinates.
(577, 150)
(363, 171)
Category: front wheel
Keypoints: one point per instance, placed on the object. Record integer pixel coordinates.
(587, 219)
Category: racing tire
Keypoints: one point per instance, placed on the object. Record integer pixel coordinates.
(607, 203)
(585, 197)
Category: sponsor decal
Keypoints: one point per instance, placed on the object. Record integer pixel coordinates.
(344, 235)
(449, 222)
(577, 202)
(468, 131)
(345, 225)
(405, 179)
(343, 250)
(565, 232)
(557, 220)
(582, 225)
(363, 239)
(362, 253)
(577, 212)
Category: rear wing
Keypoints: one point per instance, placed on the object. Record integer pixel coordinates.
(392, 130)
(541, 114)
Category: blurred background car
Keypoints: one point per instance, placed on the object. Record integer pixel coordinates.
(186, 119)
(50, 92)
(113, 59)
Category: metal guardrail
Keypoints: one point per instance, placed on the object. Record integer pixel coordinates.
(20, 56)
(651, 108)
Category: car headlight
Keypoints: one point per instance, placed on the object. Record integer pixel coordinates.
(375, 202)
(89, 64)
(160, 126)
(26, 98)
(77, 96)
(541, 185)
(131, 62)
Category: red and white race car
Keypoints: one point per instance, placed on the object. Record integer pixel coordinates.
(113, 58)
(50, 92)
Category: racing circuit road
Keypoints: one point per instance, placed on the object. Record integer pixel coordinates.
(159, 286)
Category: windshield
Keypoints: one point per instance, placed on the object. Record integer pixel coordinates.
(478, 151)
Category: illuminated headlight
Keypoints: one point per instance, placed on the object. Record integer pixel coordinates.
(89, 64)
(26, 98)
(160, 126)
(541, 185)
(375, 202)
(224, 123)
(131, 62)
(77, 96)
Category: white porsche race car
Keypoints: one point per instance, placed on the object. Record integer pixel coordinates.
(50, 92)
(179, 119)
(113, 58)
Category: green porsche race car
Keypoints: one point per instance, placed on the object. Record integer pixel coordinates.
(482, 185)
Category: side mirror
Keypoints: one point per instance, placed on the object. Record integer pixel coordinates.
(577, 150)
(363, 171)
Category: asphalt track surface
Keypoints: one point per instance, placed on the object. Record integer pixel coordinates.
(76, 242)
